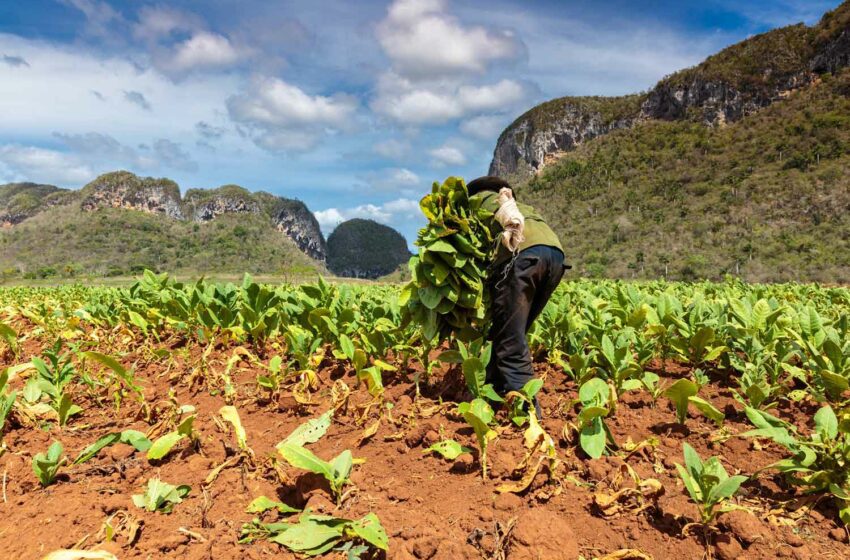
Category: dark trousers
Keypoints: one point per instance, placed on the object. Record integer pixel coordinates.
(519, 291)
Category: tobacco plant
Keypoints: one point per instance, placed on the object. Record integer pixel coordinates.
(820, 463)
(160, 496)
(7, 400)
(46, 465)
(479, 415)
(708, 484)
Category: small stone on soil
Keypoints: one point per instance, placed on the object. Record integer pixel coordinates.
(597, 469)
(794, 540)
(539, 534)
(507, 502)
(173, 541)
(431, 437)
(728, 548)
(838, 534)
(463, 464)
(417, 434)
(745, 526)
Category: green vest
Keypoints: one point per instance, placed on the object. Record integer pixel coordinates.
(536, 231)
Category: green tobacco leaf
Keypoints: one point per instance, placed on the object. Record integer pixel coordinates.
(341, 466)
(441, 246)
(835, 384)
(592, 438)
(594, 391)
(826, 423)
(67, 409)
(450, 357)
(726, 488)
(46, 465)
(680, 392)
(708, 410)
(8, 333)
(163, 446)
(302, 458)
(347, 346)
(160, 496)
(430, 297)
(310, 537)
(310, 431)
(93, 449)
(115, 366)
(690, 484)
(449, 449)
(264, 504)
(138, 440)
(108, 361)
(369, 529)
(588, 413)
(533, 387)
(474, 373)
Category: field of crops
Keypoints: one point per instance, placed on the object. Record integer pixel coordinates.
(211, 421)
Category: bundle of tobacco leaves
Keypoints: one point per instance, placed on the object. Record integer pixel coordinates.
(447, 294)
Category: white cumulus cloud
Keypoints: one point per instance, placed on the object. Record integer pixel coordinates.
(392, 148)
(485, 127)
(29, 163)
(204, 50)
(393, 179)
(280, 115)
(423, 40)
(410, 103)
(447, 155)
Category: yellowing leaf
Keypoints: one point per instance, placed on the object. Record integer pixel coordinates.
(72, 554)
(230, 414)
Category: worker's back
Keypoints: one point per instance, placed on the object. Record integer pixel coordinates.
(536, 231)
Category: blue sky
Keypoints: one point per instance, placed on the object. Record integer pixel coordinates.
(354, 107)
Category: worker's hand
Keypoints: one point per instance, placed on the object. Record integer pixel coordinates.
(511, 219)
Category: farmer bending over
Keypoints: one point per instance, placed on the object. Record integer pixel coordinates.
(528, 266)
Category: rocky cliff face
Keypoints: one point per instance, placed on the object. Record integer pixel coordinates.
(202, 205)
(833, 55)
(123, 189)
(300, 225)
(713, 102)
(532, 140)
(726, 87)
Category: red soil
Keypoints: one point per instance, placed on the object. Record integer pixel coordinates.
(431, 508)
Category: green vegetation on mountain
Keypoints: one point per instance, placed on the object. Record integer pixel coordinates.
(766, 197)
(610, 109)
(20, 200)
(65, 242)
(365, 249)
(761, 62)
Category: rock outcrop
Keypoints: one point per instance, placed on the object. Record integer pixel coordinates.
(736, 82)
(294, 219)
(201, 205)
(551, 129)
(122, 189)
